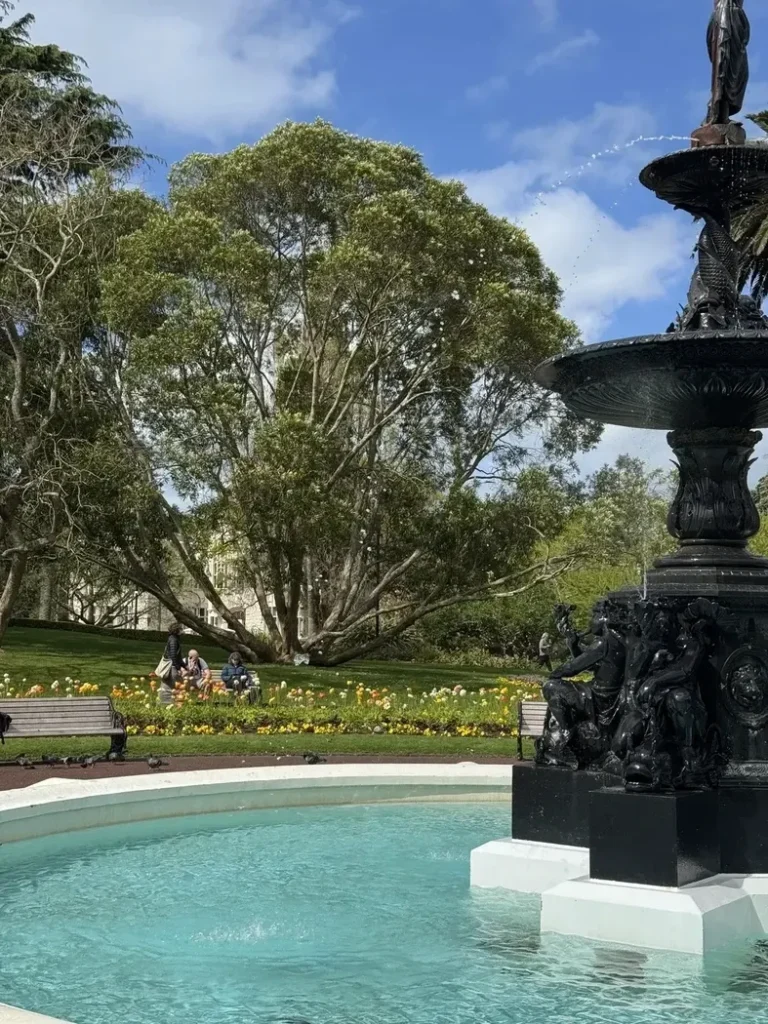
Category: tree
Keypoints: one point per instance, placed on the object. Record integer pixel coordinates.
(750, 229)
(61, 152)
(620, 527)
(326, 352)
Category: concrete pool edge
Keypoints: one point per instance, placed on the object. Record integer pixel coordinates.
(63, 805)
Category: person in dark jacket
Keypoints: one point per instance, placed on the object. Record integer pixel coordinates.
(236, 676)
(175, 655)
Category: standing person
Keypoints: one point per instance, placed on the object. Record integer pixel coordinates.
(545, 651)
(171, 664)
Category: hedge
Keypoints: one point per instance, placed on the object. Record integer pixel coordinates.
(155, 635)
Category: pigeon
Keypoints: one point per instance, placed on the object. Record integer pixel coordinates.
(115, 755)
(51, 760)
(66, 761)
(24, 762)
(88, 762)
(311, 758)
(155, 763)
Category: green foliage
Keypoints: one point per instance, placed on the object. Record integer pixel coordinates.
(327, 351)
(62, 148)
(46, 85)
(750, 229)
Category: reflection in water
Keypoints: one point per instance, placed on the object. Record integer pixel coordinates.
(743, 970)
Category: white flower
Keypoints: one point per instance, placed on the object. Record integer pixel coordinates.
(455, 295)
(462, 693)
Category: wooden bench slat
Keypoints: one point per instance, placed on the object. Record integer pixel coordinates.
(532, 718)
(67, 722)
(31, 733)
(64, 701)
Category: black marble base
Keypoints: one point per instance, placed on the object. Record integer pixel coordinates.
(743, 826)
(551, 805)
(668, 839)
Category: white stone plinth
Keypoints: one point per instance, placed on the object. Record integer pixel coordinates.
(694, 919)
(756, 888)
(523, 866)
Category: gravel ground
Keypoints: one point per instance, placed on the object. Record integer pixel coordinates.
(14, 777)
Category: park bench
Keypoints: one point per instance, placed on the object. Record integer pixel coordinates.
(37, 717)
(531, 719)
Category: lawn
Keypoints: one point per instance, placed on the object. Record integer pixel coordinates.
(191, 746)
(43, 655)
(363, 708)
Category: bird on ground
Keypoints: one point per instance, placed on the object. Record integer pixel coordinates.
(155, 763)
(51, 760)
(115, 755)
(311, 758)
(88, 762)
(24, 762)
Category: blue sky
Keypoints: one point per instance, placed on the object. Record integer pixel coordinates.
(513, 96)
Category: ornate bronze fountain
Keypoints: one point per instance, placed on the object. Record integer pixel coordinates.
(679, 701)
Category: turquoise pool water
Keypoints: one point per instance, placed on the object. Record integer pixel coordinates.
(352, 915)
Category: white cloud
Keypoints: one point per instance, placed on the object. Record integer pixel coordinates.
(564, 51)
(649, 445)
(602, 144)
(602, 264)
(203, 68)
(488, 89)
(548, 12)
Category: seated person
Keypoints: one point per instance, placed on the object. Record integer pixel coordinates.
(195, 671)
(235, 675)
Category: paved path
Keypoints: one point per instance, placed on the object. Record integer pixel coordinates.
(13, 777)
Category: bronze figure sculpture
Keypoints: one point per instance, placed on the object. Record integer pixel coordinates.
(727, 40)
(581, 717)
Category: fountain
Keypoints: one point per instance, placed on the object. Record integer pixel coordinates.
(645, 817)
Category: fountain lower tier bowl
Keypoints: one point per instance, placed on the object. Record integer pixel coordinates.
(667, 381)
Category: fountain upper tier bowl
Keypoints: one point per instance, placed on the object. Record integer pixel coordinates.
(667, 381)
(710, 178)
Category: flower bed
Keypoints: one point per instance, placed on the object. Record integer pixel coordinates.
(340, 709)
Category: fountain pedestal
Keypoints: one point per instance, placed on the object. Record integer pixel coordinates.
(666, 839)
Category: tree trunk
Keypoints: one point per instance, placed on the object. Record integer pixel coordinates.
(11, 590)
(47, 588)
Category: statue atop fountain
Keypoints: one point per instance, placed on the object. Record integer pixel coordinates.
(727, 41)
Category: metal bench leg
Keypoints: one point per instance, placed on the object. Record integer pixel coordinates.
(520, 732)
(119, 743)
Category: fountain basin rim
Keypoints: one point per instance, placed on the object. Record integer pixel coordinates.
(685, 380)
(58, 805)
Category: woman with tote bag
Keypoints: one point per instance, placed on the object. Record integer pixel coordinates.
(170, 664)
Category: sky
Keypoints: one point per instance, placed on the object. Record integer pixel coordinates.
(538, 105)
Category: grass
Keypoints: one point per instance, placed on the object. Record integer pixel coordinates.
(192, 746)
(42, 655)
